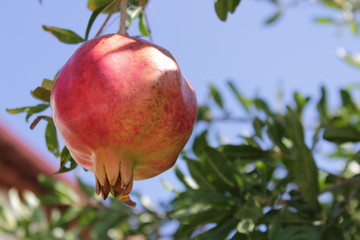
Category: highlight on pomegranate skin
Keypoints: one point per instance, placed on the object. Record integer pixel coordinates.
(124, 110)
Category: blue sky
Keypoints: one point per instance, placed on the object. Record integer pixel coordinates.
(295, 54)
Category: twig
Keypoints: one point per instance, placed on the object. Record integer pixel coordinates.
(123, 8)
(116, 5)
(37, 120)
(227, 118)
(345, 182)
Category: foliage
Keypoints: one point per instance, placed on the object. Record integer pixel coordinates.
(270, 185)
(267, 185)
(64, 214)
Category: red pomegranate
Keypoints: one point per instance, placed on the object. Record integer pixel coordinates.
(124, 111)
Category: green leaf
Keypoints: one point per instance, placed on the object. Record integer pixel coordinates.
(65, 158)
(216, 95)
(341, 134)
(258, 126)
(275, 225)
(197, 173)
(51, 138)
(88, 190)
(203, 113)
(182, 178)
(41, 94)
(220, 231)
(132, 13)
(274, 17)
(220, 165)
(250, 210)
(305, 169)
(301, 102)
(197, 214)
(143, 26)
(347, 101)
(333, 233)
(206, 198)
(233, 5)
(61, 191)
(29, 110)
(95, 4)
(195, 207)
(353, 59)
(299, 232)
(353, 25)
(221, 8)
(322, 106)
(245, 152)
(64, 35)
(246, 103)
(200, 142)
(262, 105)
(275, 132)
(47, 84)
(93, 16)
(325, 20)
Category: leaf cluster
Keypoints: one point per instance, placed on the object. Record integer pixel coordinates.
(271, 185)
(66, 214)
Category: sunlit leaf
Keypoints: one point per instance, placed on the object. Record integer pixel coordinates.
(197, 173)
(274, 17)
(51, 138)
(246, 103)
(220, 231)
(305, 169)
(325, 20)
(65, 158)
(96, 4)
(143, 26)
(301, 102)
(233, 4)
(220, 165)
(351, 58)
(93, 17)
(64, 35)
(41, 94)
(322, 106)
(214, 93)
(221, 8)
(203, 113)
(29, 110)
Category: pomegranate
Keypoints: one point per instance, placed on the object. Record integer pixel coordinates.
(124, 111)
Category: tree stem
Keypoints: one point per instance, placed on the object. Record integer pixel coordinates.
(123, 7)
(355, 180)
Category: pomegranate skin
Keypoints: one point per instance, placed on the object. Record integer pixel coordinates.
(123, 109)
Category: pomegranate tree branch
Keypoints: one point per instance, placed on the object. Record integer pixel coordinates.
(355, 180)
(228, 119)
(116, 5)
(123, 8)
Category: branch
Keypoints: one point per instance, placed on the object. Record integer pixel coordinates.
(227, 118)
(123, 8)
(116, 5)
(344, 183)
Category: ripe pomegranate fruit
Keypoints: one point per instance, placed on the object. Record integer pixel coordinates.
(124, 111)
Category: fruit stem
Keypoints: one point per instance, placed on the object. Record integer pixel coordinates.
(123, 8)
